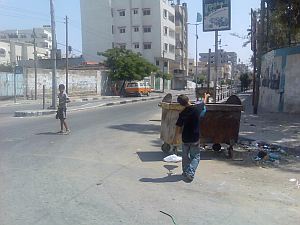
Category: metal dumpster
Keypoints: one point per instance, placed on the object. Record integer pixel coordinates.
(221, 124)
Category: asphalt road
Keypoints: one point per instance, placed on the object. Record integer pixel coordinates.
(109, 171)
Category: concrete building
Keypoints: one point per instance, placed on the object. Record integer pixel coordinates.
(12, 52)
(42, 36)
(143, 26)
(180, 66)
(224, 59)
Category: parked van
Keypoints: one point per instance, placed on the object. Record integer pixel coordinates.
(137, 88)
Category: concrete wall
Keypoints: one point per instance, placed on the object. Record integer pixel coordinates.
(81, 82)
(280, 81)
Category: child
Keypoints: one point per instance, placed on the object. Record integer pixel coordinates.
(188, 124)
(62, 109)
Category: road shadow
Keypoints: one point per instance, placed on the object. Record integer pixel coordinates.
(138, 128)
(151, 156)
(170, 178)
(49, 133)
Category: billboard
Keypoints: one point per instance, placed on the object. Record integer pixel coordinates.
(216, 15)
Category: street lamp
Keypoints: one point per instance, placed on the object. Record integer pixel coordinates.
(196, 74)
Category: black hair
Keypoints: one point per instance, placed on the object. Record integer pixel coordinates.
(183, 100)
(61, 86)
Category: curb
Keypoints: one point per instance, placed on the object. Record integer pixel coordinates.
(38, 113)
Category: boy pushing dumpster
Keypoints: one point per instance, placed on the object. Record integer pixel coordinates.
(188, 124)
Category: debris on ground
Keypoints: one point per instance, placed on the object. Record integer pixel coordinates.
(264, 154)
(173, 159)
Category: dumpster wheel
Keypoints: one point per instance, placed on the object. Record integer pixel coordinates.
(166, 148)
(216, 147)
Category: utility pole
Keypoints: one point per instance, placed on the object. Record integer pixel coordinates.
(254, 49)
(260, 51)
(208, 70)
(35, 65)
(196, 54)
(53, 55)
(67, 55)
(163, 71)
(216, 64)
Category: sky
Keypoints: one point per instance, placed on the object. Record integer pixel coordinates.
(20, 14)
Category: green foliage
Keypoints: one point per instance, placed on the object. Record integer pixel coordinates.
(245, 81)
(284, 19)
(166, 76)
(125, 65)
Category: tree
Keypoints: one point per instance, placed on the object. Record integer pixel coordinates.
(125, 65)
(166, 76)
(245, 81)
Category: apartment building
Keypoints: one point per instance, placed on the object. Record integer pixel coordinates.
(180, 66)
(11, 52)
(143, 26)
(42, 35)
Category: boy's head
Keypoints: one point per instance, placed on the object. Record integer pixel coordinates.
(61, 87)
(183, 100)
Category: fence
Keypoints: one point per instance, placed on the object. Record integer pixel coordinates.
(7, 84)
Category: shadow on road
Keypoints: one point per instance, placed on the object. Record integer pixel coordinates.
(151, 156)
(48, 133)
(170, 178)
(138, 128)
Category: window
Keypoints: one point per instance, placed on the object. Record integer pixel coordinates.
(172, 33)
(166, 47)
(171, 17)
(171, 48)
(147, 29)
(165, 14)
(165, 31)
(136, 45)
(147, 45)
(146, 12)
(136, 29)
(122, 30)
(123, 46)
(122, 12)
(135, 11)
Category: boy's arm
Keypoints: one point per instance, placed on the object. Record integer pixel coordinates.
(206, 96)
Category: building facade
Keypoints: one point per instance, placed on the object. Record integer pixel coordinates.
(42, 36)
(143, 26)
(11, 52)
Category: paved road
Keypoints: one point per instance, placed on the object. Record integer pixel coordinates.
(109, 171)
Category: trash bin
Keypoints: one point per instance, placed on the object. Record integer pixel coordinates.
(221, 124)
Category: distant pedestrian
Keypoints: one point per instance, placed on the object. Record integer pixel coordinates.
(188, 124)
(62, 109)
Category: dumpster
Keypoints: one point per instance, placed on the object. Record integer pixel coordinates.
(220, 125)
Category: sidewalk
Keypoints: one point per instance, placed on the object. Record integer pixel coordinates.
(281, 129)
(91, 103)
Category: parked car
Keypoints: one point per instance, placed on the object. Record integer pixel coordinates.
(137, 88)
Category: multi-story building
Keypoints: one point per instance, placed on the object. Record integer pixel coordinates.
(11, 52)
(42, 36)
(224, 59)
(143, 26)
(180, 66)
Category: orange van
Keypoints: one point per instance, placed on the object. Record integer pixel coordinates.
(137, 88)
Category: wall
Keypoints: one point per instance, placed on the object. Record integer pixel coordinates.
(280, 81)
(81, 82)
(7, 85)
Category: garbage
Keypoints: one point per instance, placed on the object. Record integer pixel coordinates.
(173, 159)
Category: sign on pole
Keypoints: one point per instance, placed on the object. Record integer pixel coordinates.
(216, 15)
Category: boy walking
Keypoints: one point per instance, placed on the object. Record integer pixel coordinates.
(188, 124)
(62, 109)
